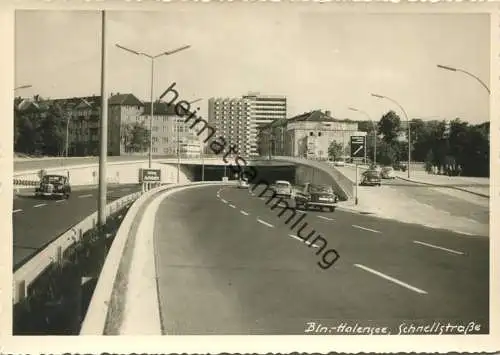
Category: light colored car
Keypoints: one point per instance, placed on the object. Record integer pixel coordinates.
(387, 173)
(339, 163)
(283, 188)
(243, 183)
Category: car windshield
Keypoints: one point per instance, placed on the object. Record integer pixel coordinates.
(371, 173)
(321, 189)
(53, 178)
(282, 185)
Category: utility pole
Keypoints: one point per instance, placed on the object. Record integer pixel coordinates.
(103, 138)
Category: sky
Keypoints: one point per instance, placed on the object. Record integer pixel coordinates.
(320, 60)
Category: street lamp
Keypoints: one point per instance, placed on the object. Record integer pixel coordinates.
(446, 67)
(152, 58)
(177, 126)
(374, 132)
(407, 121)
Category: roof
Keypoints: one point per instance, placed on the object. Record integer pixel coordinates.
(124, 100)
(160, 108)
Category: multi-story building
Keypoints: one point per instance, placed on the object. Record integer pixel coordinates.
(266, 108)
(306, 135)
(231, 118)
(170, 132)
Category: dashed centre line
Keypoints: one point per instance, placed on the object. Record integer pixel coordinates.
(244, 213)
(40, 205)
(265, 223)
(83, 196)
(366, 229)
(18, 210)
(232, 206)
(303, 241)
(223, 200)
(328, 219)
(438, 247)
(392, 279)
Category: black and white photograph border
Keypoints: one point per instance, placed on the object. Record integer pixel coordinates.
(350, 190)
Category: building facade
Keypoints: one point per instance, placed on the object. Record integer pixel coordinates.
(307, 135)
(232, 119)
(170, 132)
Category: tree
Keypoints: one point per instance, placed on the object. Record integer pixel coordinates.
(389, 126)
(335, 150)
(135, 137)
(388, 153)
(429, 161)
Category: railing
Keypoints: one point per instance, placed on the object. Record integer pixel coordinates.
(53, 253)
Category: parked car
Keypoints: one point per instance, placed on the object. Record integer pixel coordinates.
(371, 178)
(283, 188)
(387, 172)
(242, 183)
(339, 163)
(318, 196)
(54, 186)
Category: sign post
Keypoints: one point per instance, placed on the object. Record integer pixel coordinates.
(358, 151)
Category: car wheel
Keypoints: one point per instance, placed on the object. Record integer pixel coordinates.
(66, 196)
(331, 209)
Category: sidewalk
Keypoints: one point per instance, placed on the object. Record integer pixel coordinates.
(475, 185)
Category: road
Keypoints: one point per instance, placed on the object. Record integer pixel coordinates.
(37, 221)
(227, 264)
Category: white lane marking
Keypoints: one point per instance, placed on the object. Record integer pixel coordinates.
(366, 229)
(392, 279)
(40, 205)
(18, 210)
(328, 219)
(438, 247)
(59, 201)
(232, 206)
(243, 212)
(223, 200)
(83, 196)
(265, 223)
(262, 198)
(302, 240)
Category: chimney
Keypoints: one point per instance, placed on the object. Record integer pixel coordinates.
(328, 113)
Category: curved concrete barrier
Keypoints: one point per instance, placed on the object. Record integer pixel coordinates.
(322, 173)
(102, 300)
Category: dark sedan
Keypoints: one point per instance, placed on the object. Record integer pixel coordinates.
(53, 186)
(371, 178)
(318, 196)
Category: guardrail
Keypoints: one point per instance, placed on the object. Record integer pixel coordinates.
(54, 252)
(96, 317)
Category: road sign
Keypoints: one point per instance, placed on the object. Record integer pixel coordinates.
(358, 146)
(150, 175)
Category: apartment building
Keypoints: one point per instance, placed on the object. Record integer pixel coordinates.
(306, 135)
(266, 108)
(170, 133)
(232, 120)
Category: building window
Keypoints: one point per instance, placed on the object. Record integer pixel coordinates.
(311, 134)
(319, 134)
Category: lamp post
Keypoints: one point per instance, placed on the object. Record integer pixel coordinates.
(152, 58)
(177, 128)
(446, 67)
(374, 132)
(407, 121)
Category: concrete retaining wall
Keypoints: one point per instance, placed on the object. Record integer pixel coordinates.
(121, 173)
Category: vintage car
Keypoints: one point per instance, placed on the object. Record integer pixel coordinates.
(318, 196)
(387, 173)
(283, 188)
(371, 178)
(53, 186)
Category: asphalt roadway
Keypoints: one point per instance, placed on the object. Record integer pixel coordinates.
(37, 221)
(227, 264)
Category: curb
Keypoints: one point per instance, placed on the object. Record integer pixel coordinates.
(445, 186)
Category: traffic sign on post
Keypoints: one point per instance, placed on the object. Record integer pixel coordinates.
(358, 146)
